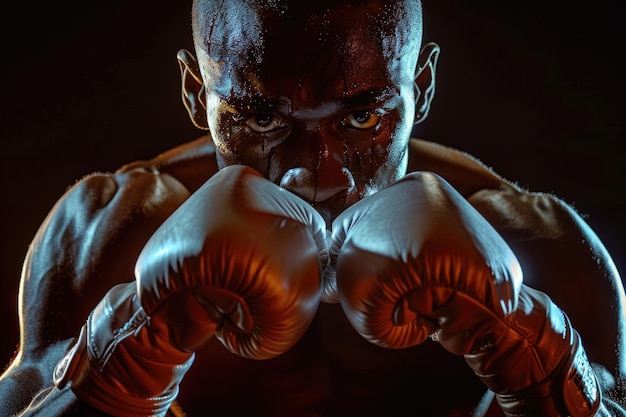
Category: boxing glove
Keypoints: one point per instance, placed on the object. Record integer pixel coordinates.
(417, 260)
(241, 259)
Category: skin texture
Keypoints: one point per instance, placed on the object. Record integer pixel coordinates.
(314, 151)
(332, 125)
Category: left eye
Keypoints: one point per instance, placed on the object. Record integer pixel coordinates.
(265, 122)
(362, 119)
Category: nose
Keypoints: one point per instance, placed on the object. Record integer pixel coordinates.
(319, 173)
(320, 185)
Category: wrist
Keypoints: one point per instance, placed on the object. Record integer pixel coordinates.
(572, 390)
(119, 364)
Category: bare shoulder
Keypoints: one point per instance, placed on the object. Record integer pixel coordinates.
(107, 203)
(559, 253)
(92, 236)
(191, 163)
(89, 242)
(464, 172)
(517, 213)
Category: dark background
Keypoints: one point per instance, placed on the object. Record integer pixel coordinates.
(534, 89)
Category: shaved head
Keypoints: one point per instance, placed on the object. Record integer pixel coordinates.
(319, 96)
(227, 31)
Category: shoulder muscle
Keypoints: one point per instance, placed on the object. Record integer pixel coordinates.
(89, 242)
(559, 253)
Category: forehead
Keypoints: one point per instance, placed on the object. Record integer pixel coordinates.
(349, 47)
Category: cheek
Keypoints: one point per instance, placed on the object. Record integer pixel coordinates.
(385, 156)
(396, 147)
(399, 134)
(235, 146)
(255, 155)
(221, 132)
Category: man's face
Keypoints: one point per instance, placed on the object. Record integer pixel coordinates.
(319, 103)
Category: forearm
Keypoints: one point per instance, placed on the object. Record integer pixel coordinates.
(613, 396)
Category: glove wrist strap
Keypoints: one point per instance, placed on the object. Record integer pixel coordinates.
(572, 390)
(123, 372)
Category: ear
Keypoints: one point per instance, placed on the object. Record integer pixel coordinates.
(425, 80)
(193, 92)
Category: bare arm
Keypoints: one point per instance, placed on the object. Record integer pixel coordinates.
(559, 253)
(89, 242)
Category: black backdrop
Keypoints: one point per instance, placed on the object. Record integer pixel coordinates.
(535, 89)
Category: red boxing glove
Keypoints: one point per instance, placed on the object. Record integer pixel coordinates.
(241, 258)
(416, 259)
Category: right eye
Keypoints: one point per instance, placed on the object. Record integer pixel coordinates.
(262, 122)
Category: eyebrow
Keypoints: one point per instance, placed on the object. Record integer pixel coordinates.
(368, 98)
(256, 104)
(376, 97)
(373, 96)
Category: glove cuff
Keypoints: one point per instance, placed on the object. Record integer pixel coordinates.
(572, 390)
(122, 367)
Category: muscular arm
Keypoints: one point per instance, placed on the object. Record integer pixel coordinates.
(560, 255)
(90, 239)
(88, 243)
(563, 257)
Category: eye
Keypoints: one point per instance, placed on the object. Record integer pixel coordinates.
(262, 122)
(361, 119)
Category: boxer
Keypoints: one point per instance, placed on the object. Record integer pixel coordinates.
(371, 273)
